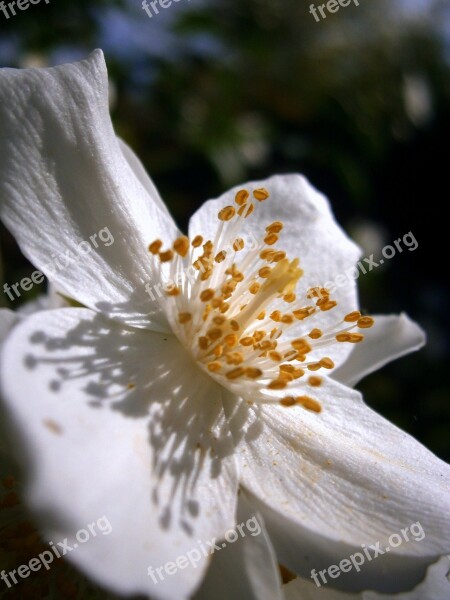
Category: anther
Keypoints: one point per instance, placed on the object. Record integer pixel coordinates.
(365, 322)
(197, 241)
(241, 197)
(246, 210)
(315, 381)
(166, 256)
(274, 227)
(352, 317)
(261, 194)
(155, 246)
(181, 245)
(315, 334)
(207, 295)
(271, 239)
(309, 403)
(227, 213)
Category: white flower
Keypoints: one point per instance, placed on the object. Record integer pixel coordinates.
(155, 411)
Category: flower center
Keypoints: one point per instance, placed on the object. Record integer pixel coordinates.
(235, 307)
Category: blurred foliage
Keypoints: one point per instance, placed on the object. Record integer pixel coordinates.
(213, 93)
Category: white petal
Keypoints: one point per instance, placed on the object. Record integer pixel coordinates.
(436, 586)
(155, 460)
(390, 338)
(244, 568)
(142, 175)
(310, 233)
(327, 483)
(64, 180)
(54, 298)
(301, 589)
(7, 321)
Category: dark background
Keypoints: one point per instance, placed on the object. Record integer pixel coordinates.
(213, 93)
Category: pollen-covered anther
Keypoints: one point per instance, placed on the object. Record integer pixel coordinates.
(303, 313)
(287, 319)
(155, 247)
(325, 304)
(309, 403)
(271, 239)
(315, 334)
(288, 401)
(235, 373)
(365, 322)
(316, 292)
(214, 366)
(184, 318)
(235, 358)
(253, 372)
(214, 333)
(302, 346)
(254, 287)
(261, 194)
(219, 320)
(267, 254)
(227, 213)
(259, 335)
(315, 366)
(275, 227)
(238, 244)
(289, 298)
(207, 295)
(181, 246)
(203, 342)
(264, 272)
(231, 340)
(277, 384)
(166, 256)
(315, 381)
(267, 345)
(327, 363)
(284, 376)
(352, 338)
(220, 257)
(280, 255)
(197, 241)
(352, 317)
(246, 210)
(241, 197)
(173, 290)
(234, 273)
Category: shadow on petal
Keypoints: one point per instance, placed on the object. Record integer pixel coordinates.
(147, 376)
